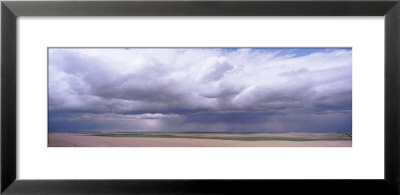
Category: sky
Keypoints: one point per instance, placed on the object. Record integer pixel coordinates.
(200, 89)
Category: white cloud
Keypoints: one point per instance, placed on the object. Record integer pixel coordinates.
(176, 81)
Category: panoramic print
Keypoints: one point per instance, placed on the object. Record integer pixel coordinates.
(199, 97)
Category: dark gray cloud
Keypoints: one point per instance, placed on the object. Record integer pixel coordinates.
(200, 90)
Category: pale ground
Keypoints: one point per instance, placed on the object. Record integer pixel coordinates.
(82, 140)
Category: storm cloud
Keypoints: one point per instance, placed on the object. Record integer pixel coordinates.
(200, 89)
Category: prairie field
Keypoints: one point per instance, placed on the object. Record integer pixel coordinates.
(333, 139)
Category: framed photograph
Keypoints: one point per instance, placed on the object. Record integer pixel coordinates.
(199, 97)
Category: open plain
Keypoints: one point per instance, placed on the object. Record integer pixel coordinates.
(199, 140)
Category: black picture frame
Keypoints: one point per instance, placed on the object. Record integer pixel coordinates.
(11, 10)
